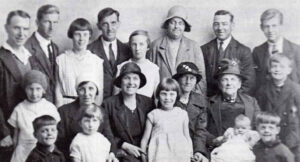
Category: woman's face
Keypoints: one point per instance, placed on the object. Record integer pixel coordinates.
(139, 46)
(81, 39)
(187, 82)
(130, 83)
(175, 28)
(87, 93)
(229, 84)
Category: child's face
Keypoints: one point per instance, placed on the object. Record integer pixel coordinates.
(89, 125)
(268, 132)
(139, 46)
(279, 71)
(34, 92)
(167, 99)
(47, 135)
(187, 82)
(241, 127)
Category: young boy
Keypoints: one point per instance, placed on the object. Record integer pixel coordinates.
(280, 95)
(45, 132)
(270, 148)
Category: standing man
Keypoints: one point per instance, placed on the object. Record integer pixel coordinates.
(271, 25)
(225, 46)
(43, 49)
(109, 48)
(14, 63)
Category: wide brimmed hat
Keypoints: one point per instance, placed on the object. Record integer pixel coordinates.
(227, 66)
(88, 77)
(130, 67)
(187, 68)
(177, 11)
(35, 76)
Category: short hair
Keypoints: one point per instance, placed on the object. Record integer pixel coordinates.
(267, 118)
(271, 13)
(46, 9)
(79, 24)
(282, 59)
(225, 12)
(140, 32)
(168, 84)
(20, 13)
(93, 111)
(43, 121)
(85, 82)
(107, 12)
(242, 117)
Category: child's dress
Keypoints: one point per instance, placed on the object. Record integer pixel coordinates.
(90, 148)
(168, 143)
(22, 118)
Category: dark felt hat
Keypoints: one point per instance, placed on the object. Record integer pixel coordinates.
(228, 66)
(187, 68)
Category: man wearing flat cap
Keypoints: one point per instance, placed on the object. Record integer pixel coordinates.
(225, 46)
(173, 48)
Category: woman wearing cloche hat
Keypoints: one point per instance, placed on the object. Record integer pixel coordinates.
(173, 47)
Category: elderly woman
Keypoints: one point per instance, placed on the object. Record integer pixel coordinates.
(87, 89)
(74, 62)
(230, 102)
(173, 48)
(127, 113)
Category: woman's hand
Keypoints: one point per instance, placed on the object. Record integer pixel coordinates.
(131, 149)
(111, 158)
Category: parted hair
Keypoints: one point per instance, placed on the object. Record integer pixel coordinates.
(20, 13)
(93, 111)
(267, 118)
(80, 24)
(271, 13)
(43, 121)
(282, 59)
(107, 12)
(225, 12)
(46, 9)
(140, 32)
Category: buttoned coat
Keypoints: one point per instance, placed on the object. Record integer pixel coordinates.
(115, 108)
(124, 54)
(188, 50)
(39, 61)
(261, 56)
(234, 50)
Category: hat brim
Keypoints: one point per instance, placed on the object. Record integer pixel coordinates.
(187, 25)
(242, 77)
(177, 76)
(143, 79)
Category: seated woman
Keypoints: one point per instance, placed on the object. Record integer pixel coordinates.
(127, 113)
(74, 62)
(87, 89)
(230, 102)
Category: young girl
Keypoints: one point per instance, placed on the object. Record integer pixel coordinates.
(167, 128)
(34, 84)
(90, 145)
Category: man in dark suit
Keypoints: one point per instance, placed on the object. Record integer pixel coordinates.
(109, 48)
(43, 49)
(225, 46)
(271, 25)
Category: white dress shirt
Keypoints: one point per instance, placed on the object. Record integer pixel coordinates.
(43, 43)
(277, 46)
(106, 47)
(225, 42)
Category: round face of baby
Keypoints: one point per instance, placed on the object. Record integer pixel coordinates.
(242, 126)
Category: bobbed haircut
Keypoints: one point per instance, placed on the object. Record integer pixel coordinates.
(271, 13)
(140, 32)
(80, 24)
(282, 59)
(168, 84)
(225, 12)
(93, 111)
(43, 121)
(20, 13)
(107, 12)
(267, 118)
(46, 9)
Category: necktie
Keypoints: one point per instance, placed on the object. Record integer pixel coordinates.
(274, 49)
(221, 50)
(112, 59)
(51, 57)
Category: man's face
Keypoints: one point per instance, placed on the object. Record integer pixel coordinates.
(17, 30)
(272, 28)
(222, 26)
(47, 25)
(175, 28)
(109, 27)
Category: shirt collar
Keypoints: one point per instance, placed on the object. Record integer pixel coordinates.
(225, 42)
(278, 44)
(106, 43)
(22, 55)
(44, 150)
(41, 39)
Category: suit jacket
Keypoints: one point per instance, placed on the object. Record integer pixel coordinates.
(124, 54)
(234, 50)
(188, 51)
(261, 56)
(39, 61)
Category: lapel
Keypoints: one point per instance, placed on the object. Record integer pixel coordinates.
(193, 104)
(216, 112)
(162, 51)
(249, 109)
(139, 106)
(287, 49)
(182, 52)
(213, 55)
(10, 63)
(231, 49)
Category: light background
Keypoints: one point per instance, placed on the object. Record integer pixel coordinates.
(149, 14)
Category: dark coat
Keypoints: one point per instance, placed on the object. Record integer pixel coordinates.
(234, 50)
(197, 113)
(69, 126)
(39, 61)
(287, 105)
(261, 56)
(124, 54)
(41, 154)
(115, 108)
(3, 127)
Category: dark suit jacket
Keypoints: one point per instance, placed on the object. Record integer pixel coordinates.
(261, 56)
(124, 54)
(234, 50)
(39, 61)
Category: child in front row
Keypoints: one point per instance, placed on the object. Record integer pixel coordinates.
(167, 128)
(270, 148)
(45, 131)
(90, 145)
(34, 84)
